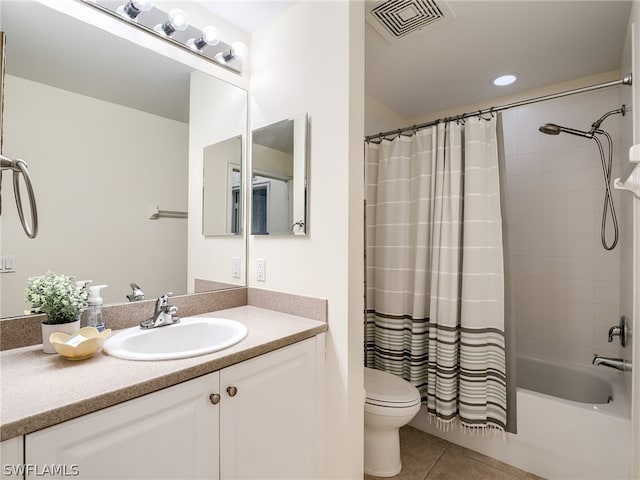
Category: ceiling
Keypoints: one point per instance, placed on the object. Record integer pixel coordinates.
(453, 62)
(448, 64)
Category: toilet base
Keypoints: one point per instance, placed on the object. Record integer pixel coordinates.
(382, 452)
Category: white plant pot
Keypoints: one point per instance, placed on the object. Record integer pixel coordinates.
(47, 330)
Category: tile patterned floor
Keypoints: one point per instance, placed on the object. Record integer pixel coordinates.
(425, 457)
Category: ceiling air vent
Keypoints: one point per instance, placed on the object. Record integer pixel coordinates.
(395, 19)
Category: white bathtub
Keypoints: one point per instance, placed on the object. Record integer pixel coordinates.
(584, 435)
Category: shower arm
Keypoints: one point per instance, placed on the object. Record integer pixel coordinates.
(595, 126)
(20, 167)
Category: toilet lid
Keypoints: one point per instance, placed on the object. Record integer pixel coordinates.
(386, 389)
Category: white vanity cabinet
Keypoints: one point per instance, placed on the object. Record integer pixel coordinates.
(12, 458)
(168, 434)
(255, 419)
(268, 416)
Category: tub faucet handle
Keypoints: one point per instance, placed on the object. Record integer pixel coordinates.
(621, 331)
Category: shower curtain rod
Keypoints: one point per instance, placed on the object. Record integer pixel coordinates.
(626, 80)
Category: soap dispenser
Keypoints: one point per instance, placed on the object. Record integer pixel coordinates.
(94, 318)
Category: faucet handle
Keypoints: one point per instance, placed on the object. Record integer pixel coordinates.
(614, 332)
(621, 331)
(164, 299)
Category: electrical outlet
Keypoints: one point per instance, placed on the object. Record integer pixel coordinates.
(7, 263)
(261, 270)
(236, 265)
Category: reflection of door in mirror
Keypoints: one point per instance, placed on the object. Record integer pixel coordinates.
(221, 188)
(279, 178)
(272, 205)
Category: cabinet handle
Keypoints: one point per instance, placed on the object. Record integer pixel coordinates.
(232, 391)
(214, 398)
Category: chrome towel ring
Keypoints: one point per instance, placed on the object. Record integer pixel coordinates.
(20, 167)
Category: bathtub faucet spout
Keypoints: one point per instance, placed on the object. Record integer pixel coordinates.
(617, 363)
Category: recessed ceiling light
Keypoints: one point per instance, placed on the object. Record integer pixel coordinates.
(503, 80)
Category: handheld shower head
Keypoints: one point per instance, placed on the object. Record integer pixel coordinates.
(553, 129)
(550, 129)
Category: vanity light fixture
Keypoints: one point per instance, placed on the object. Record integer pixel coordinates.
(238, 50)
(133, 8)
(210, 36)
(178, 21)
(174, 28)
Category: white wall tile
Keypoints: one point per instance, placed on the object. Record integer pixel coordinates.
(582, 356)
(581, 312)
(581, 290)
(579, 334)
(554, 267)
(550, 331)
(554, 351)
(554, 223)
(528, 347)
(583, 223)
(554, 310)
(555, 289)
(581, 268)
(607, 293)
(567, 286)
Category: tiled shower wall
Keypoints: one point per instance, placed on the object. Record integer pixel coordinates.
(567, 288)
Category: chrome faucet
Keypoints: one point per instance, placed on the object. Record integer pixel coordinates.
(137, 293)
(164, 314)
(617, 363)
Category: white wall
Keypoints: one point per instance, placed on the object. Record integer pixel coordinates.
(379, 118)
(298, 65)
(89, 174)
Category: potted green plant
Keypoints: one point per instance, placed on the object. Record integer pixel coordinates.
(61, 298)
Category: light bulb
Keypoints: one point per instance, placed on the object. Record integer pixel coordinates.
(133, 8)
(210, 36)
(178, 21)
(238, 50)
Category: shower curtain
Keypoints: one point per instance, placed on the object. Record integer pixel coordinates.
(435, 274)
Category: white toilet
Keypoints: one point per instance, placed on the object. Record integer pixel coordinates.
(390, 404)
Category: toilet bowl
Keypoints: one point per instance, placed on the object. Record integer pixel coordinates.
(391, 403)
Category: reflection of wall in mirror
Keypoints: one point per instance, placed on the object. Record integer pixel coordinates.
(221, 187)
(272, 184)
(95, 184)
(217, 112)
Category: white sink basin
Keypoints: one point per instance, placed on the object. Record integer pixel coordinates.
(191, 337)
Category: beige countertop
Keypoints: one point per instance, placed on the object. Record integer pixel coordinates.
(38, 390)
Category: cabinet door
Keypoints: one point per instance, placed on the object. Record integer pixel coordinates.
(170, 434)
(267, 415)
(12, 458)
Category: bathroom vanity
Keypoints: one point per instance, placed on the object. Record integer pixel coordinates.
(253, 410)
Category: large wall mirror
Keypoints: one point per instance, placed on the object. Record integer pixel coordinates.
(279, 178)
(110, 132)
